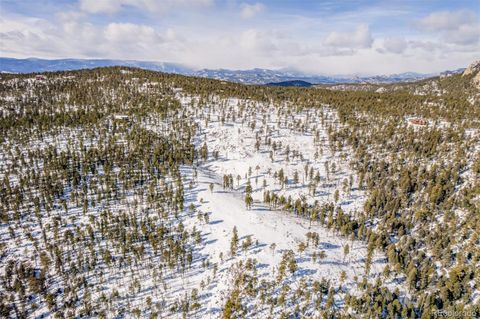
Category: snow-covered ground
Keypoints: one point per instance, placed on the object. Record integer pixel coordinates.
(272, 233)
(231, 130)
(273, 149)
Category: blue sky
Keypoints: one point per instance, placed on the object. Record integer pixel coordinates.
(323, 37)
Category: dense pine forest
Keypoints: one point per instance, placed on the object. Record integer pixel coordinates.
(128, 193)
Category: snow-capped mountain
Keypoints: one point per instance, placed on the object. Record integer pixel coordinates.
(253, 76)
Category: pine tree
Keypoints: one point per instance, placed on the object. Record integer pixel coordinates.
(234, 242)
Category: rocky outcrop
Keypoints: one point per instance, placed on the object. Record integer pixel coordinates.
(476, 80)
(472, 68)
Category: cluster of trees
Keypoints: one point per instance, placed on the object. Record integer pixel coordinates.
(278, 298)
(86, 192)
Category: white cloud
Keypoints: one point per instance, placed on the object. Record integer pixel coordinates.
(131, 33)
(229, 42)
(149, 6)
(102, 6)
(447, 20)
(76, 38)
(466, 34)
(458, 27)
(395, 45)
(427, 46)
(360, 38)
(251, 10)
(260, 42)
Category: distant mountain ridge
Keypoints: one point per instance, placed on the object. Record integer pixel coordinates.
(32, 65)
(294, 83)
(253, 76)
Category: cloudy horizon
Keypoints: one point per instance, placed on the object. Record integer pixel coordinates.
(323, 37)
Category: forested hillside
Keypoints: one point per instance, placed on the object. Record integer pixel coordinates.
(132, 193)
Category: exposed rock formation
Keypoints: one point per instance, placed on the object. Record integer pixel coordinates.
(472, 68)
(476, 80)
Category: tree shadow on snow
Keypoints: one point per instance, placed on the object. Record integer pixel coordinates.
(305, 272)
(210, 241)
(262, 265)
(324, 245)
